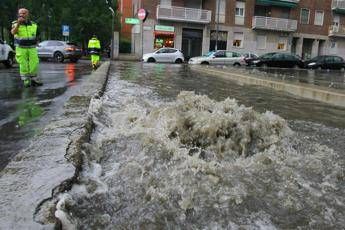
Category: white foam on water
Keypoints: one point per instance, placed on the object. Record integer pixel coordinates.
(194, 161)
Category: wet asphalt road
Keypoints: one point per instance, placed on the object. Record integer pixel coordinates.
(24, 111)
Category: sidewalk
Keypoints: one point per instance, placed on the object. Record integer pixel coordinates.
(307, 90)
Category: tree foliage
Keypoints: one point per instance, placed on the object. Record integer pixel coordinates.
(84, 17)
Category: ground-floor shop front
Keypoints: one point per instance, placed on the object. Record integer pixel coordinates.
(197, 39)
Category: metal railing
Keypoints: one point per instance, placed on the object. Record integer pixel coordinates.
(338, 4)
(174, 13)
(277, 24)
(336, 31)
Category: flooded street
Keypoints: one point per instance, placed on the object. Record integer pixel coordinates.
(25, 111)
(173, 149)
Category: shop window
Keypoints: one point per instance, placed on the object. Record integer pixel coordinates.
(222, 40)
(163, 40)
(282, 43)
(238, 40)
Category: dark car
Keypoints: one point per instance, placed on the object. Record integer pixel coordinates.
(325, 62)
(281, 60)
(249, 58)
(59, 50)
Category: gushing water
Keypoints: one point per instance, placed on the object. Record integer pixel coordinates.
(194, 163)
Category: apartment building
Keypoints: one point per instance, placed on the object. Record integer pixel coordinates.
(305, 27)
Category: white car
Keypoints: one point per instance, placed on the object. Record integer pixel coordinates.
(6, 54)
(220, 57)
(164, 55)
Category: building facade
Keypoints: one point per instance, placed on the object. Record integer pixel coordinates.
(305, 27)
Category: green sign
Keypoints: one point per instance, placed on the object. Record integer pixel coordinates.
(133, 21)
(165, 28)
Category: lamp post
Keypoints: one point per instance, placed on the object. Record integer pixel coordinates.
(217, 26)
(112, 29)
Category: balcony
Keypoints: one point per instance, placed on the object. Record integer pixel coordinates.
(336, 31)
(281, 3)
(276, 24)
(182, 14)
(338, 6)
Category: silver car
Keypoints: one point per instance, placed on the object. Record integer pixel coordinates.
(164, 55)
(220, 57)
(59, 50)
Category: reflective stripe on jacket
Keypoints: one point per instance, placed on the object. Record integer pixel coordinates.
(26, 35)
(94, 46)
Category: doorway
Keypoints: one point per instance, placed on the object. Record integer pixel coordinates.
(191, 43)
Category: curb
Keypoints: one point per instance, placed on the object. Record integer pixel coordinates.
(317, 93)
(31, 182)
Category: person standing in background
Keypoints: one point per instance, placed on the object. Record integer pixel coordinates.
(94, 47)
(25, 39)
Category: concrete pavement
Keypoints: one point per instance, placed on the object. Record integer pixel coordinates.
(49, 165)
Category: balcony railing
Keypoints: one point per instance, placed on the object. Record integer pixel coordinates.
(277, 24)
(338, 5)
(336, 31)
(174, 13)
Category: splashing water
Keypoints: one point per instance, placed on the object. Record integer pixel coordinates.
(195, 163)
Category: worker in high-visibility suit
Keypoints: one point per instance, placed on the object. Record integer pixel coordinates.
(94, 47)
(25, 38)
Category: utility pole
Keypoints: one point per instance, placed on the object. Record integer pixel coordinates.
(217, 26)
(112, 28)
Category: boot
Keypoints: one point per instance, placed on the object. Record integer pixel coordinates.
(27, 82)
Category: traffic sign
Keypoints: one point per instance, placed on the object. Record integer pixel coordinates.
(142, 14)
(133, 21)
(65, 30)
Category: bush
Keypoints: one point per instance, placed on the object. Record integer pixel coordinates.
(125, 46)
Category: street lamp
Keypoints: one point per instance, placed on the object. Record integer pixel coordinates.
(112, 29)
(217, 26)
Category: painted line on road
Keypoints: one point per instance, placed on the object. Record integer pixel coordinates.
(306, 91)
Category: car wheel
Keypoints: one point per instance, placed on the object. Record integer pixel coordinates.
(178, 61)
(10, 60)
(58, 56)
(151, 59)
(205, 63)
(74, 60)
(237, 64)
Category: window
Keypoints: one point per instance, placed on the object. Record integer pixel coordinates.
(221, 15)
(305, 16)
(282, 43)
(261, 42)
(318, 18)
(238, 40)
(219, 54)
(166, 2)
(222, 40)
(239, 13)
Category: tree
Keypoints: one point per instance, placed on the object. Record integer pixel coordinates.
(85, 18)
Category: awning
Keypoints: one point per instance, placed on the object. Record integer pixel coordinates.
(281, 3)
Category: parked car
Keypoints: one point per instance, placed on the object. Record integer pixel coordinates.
(325, 62)
(220, 57)
(281, 60)
(164, 55)
(59, 50)
(6, 54)
(249, 58)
